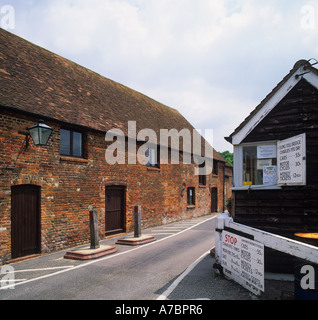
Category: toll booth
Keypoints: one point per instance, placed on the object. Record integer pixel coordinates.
(275, 183)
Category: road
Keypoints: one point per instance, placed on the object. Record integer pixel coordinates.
(149, 272)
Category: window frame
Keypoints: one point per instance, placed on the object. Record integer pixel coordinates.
(191, 198)
(71, 143)
(153, 152)
(239, 170)
(215, 169)
(202, 177)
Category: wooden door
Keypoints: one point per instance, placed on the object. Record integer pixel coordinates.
(214, 200)
(115, 210)
(25, 221)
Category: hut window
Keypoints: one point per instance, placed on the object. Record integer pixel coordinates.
(260, 165)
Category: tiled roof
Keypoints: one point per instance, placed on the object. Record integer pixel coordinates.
(39, 82)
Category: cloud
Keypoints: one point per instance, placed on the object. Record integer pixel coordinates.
(214, 61)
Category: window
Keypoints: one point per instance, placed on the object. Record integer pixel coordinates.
(260, 165)
(202, 174)
(191, 196)
(270, 164)
(152, 156)
(215, 167)
(71, 143)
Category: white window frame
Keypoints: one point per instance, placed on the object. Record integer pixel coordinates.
(238, 167)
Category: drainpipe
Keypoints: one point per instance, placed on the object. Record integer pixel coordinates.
(223, 186)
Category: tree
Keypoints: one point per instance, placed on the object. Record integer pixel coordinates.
(228, 156)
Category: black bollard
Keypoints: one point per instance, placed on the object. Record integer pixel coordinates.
(137, 221)
(93, 220)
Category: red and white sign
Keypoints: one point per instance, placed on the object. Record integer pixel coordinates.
(243, 258)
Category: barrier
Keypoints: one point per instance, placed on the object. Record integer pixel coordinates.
(225, 224)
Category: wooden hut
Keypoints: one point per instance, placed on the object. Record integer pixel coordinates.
(276, 161)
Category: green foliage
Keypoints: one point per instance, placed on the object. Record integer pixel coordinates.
(228, 156)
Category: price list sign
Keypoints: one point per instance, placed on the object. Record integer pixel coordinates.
(244, 258)
(291, 161)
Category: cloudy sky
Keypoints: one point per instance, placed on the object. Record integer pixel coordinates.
(213, 60)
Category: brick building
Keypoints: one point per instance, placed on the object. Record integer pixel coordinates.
(45, 191)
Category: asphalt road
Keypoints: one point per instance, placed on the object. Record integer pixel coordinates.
(134, 273)
(177, 266)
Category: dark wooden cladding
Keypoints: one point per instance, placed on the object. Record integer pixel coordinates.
(291, 209)
(282, 212)
(25, 221)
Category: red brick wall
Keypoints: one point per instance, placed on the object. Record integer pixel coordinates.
(69, 186)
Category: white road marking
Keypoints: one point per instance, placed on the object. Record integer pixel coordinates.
(162, 233)
(175, 283)
(107, 257)
(171, 229)
(13, 280)
(41, 269)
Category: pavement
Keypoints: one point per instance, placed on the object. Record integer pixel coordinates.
(200, 282)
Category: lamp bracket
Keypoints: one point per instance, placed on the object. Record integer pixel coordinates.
(27, 138)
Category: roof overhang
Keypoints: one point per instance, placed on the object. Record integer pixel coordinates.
(302, 72)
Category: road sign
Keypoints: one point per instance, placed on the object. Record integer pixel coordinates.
(243, 261)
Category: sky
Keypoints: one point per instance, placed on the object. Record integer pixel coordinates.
(212, 60)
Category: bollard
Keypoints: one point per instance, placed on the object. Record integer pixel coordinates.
(137, 239)
(93, 221)
(137, 221)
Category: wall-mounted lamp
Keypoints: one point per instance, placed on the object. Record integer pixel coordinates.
(40, 134)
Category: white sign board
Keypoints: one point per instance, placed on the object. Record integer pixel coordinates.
(244, 260)
(291, 161)
(269, 175)
(266, 151)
